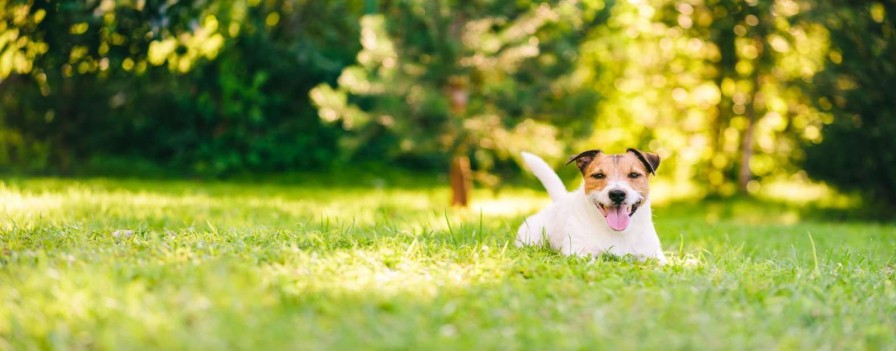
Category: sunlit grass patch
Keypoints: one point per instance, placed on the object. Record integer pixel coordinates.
(112, 265)
(385, 272)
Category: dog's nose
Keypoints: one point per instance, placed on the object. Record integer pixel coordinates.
(617, 196)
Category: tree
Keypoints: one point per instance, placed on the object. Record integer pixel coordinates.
(856, 152)
(209, 87)
(712, 86)
(462, 78)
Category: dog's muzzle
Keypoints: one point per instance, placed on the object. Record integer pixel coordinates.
(618, 215)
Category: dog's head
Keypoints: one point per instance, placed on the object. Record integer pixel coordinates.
(617, 184)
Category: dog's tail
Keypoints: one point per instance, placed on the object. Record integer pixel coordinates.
(546, 175)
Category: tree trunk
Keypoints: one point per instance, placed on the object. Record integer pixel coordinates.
(745, 175)
(726, 68)
(460, 181)
(460, 174)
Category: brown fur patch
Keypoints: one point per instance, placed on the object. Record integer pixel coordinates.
(651, 160)
(583, 159)
(616, 168)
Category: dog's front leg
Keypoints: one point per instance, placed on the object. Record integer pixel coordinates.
(569, 248)
(660, 258)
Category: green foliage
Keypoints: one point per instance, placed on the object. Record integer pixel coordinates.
(248, 109)
(856, 152)
(733, 95)
(712, 86)
(487, 79)
(212, 88)
(109, 265)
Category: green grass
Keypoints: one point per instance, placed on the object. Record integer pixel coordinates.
(212, 266)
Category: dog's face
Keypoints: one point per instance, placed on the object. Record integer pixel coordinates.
(617, 184)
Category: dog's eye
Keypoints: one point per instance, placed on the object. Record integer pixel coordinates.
(634, 175)
(598, 176)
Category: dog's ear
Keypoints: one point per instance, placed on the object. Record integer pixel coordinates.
(583, 159)
(650, 160)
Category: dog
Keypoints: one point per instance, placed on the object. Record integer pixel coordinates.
(609, 214)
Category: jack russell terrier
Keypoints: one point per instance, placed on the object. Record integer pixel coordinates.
(609, 214)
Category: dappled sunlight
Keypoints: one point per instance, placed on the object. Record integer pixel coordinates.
(687, 261)
(509, 205)
(412, 211)
(805, 192)
(386, 271)
(179, 205)
(664, 191)
(18, 204)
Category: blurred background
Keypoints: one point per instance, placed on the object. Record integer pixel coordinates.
(735, 96)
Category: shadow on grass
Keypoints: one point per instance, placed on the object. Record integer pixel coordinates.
(753, 210)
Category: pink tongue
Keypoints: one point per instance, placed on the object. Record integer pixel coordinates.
(617, 218)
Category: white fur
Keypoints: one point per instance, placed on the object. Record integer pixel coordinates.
(573, 225)
(547, 176)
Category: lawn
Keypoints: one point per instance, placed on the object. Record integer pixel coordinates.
(181, 265)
